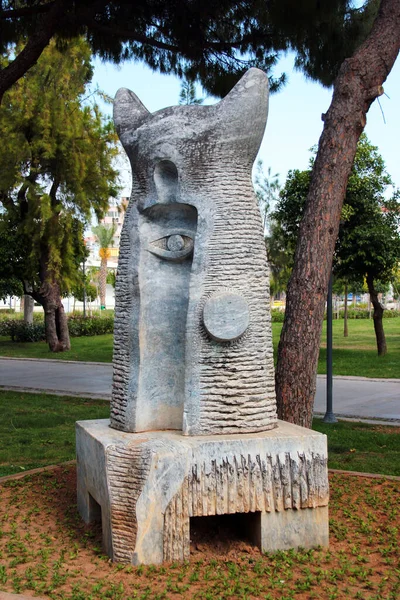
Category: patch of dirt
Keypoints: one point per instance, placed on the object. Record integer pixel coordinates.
(387, 429)
(46, 550)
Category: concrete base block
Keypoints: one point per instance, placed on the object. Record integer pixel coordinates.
(145, 487)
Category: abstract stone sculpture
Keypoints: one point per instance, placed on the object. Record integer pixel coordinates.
(192, 271)
(193, 422)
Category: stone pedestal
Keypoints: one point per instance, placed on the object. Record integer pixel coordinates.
(145, 487)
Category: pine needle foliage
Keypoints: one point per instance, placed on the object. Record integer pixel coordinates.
(56, 160)
(207, 41)
(56, 167)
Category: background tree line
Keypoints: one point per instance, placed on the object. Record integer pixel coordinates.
(368, 243)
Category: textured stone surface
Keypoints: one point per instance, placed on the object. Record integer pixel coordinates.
(154, 482)
(226, 316)
(193, 232)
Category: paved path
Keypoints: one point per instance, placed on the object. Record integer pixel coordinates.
(361, 397)
(91, 380)
(353, 396)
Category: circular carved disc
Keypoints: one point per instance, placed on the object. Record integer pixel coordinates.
(226, 316)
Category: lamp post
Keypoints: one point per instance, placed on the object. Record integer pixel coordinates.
(329, 415)
(84, 290)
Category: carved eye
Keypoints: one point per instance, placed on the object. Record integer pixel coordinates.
(176, 246)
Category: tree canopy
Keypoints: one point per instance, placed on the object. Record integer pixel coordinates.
(213, 42)
(56, 167)
(365, 210)
(368, 244)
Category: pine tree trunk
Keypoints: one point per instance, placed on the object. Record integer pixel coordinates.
(378, 317)
(358, 83)
(103, 281)
(345, 328)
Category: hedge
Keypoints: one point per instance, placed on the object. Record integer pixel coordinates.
(352, 313)
(19, 331)
(78, 326)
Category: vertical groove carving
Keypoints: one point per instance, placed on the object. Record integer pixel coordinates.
(241, 485)
(126, 347)
(236, 379)
(127, 470)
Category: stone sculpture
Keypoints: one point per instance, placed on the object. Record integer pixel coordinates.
(192, 273)
(193, 421)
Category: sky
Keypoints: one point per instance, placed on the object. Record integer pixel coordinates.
(294, 121)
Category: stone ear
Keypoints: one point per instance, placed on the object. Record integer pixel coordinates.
(129, 112)
(248, 100)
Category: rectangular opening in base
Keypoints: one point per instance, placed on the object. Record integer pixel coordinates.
(94, 509)
(225, 533)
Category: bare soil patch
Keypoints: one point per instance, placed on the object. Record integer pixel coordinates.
(46, 550)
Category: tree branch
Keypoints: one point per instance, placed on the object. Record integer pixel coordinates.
(53, 192)
(127, 34)
(36, 44)
(16, 13)
(142, 39)
(7, 201)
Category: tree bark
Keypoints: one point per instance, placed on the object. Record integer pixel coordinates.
(28, 309)
(345, 316)
(378, 317)
(103, 281)
(55, 319)
(358, 83)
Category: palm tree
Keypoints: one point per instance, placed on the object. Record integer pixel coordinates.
(105, 235)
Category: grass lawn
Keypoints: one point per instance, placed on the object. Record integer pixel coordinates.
(97, 348)
(39, 429)
(362, 447)
(355, 355)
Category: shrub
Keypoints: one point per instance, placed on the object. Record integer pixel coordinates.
(352, 313)
(19, 331)
(361, 313)
(79, 326)
(7, 326)
(355, 313)
(25, 332)
(277, 315)
(391, 314)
